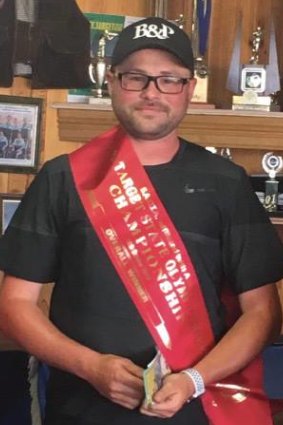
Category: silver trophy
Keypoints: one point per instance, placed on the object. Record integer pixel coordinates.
(271, 164)
(98, 66)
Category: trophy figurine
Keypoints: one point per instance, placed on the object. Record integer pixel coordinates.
(256, 43)
(271, 164)
(98, 67)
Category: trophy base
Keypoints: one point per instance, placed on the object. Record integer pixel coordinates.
(102, 102)
(251, 101)
(200, 93)
(271, 195)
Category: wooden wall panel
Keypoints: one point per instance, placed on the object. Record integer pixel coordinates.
(222, 34)
(125, 7)
(277, 15)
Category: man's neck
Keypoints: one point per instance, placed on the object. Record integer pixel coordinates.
(154, 152)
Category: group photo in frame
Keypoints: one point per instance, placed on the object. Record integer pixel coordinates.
(9, 203)
(20, 122)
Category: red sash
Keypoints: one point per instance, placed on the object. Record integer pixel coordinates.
(154, 265)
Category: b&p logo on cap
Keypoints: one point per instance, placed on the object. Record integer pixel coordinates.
(153, 31)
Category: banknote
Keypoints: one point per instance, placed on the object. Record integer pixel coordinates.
(153, 376)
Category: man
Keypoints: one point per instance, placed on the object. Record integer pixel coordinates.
(18, 146)
(3, 144)
(88, 223)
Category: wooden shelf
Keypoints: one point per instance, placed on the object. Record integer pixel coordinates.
(207, 127)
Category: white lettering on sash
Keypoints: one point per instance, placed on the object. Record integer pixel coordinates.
(151, 240)
(119, 199)
(128, 192)
(119, 249)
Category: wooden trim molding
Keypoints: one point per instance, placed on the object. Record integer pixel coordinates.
(207, 127)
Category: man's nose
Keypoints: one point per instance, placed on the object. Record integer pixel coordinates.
(151, 90)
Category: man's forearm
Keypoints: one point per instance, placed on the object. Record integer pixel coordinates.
(243, 342)
(31, 329)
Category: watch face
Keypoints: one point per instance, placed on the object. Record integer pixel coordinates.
(253, 78)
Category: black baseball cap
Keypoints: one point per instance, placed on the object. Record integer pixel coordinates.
(154, 33)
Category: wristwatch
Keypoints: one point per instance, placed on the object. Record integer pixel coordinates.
(197, 381)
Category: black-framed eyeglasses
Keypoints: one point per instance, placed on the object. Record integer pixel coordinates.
(168, 84)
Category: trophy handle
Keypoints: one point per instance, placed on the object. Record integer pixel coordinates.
(90, 73)
(97, 73)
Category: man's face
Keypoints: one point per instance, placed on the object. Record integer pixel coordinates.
(149, 114)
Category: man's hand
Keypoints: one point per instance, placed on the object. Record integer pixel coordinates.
(119, 380)
(177, 388)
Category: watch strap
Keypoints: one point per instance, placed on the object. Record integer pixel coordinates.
(197, 381)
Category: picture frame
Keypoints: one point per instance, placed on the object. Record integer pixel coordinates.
(253, 78)
(20, 133)
(8, 203)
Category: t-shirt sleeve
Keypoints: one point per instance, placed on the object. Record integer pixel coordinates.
(30, 244)
(252, 249)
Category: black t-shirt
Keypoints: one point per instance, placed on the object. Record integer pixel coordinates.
(224, 227)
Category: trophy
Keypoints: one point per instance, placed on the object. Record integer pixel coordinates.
(257, 81)
(199, 36)
(160, 8)
(98, 67)
(253, 79)
(271, 164)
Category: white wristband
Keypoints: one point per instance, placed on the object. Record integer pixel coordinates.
(197, 381)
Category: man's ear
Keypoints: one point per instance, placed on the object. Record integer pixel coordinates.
(109, 79)
(191, 87)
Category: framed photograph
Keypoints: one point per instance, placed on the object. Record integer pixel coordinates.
(253, 78)
(8, 203)
(20, 122)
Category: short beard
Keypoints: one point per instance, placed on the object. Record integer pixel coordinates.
(137, 131)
